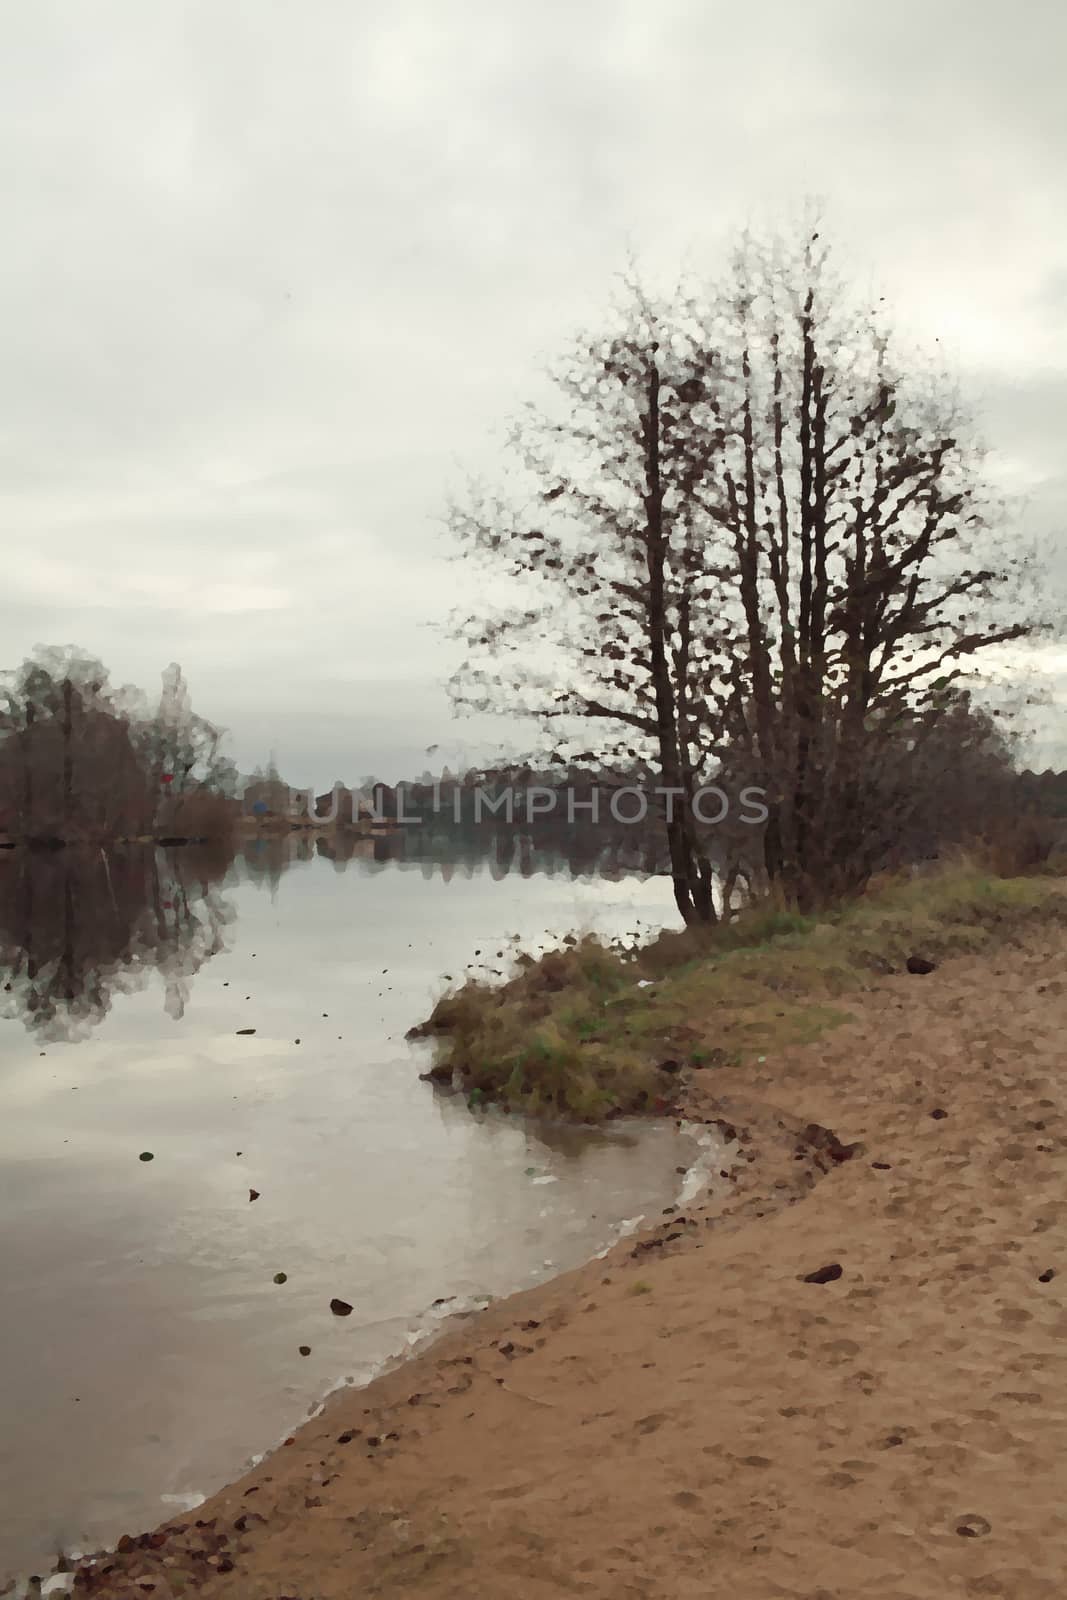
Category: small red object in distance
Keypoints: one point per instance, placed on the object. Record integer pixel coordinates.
(168, 777)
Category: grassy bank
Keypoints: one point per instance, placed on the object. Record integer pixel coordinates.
(591, 1030)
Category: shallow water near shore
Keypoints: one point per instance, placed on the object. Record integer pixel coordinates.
(146, 1351)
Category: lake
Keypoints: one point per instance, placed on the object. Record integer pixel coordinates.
(146, 1352)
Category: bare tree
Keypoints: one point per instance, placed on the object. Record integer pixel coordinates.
(868, 559)
(616, 652)
(759, 550)
(79, 760)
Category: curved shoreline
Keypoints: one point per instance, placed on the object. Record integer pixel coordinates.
(427, 1329)
(846, 1401)
(743, 1187)
(423, 1336)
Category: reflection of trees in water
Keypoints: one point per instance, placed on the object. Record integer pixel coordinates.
(265, 858)
(79, 926)
(445, 852)
(548, 849)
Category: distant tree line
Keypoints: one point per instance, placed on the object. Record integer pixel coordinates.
(81, 761)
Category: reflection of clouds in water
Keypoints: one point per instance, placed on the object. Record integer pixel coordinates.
(80, 926)
(564, 1140)
(372, 1188)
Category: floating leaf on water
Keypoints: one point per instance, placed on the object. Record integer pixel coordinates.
(281, 1277)
(253, 1194)
(146, 1155)
(241, 1031)
(305, 1349)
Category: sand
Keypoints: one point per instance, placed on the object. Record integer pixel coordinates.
(690, 1418)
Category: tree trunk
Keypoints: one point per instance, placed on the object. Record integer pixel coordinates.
(692, 901)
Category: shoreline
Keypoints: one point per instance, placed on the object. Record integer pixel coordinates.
(427, 1330)
(423, 1336)
(899, 1130)
(742, 1189)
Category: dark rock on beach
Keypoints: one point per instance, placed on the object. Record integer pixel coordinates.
(828, 1274)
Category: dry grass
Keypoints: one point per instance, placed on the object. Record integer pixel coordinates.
(574, 1033)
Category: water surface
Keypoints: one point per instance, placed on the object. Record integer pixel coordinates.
(145, 1350)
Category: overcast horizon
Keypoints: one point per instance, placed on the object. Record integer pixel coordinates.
(273, 277)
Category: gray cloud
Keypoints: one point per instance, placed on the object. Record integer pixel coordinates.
(270, 272)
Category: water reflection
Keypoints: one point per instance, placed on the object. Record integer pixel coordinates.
(153, 1349)
(79, 926)
(571, 1143)
(552, 849)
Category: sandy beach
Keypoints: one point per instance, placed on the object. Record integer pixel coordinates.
(691, 1417)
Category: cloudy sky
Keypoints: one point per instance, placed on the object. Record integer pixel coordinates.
(272, 272)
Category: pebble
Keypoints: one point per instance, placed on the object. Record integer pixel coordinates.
(827, 1274)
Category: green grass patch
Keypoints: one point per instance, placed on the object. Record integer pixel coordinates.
(574, 1035)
